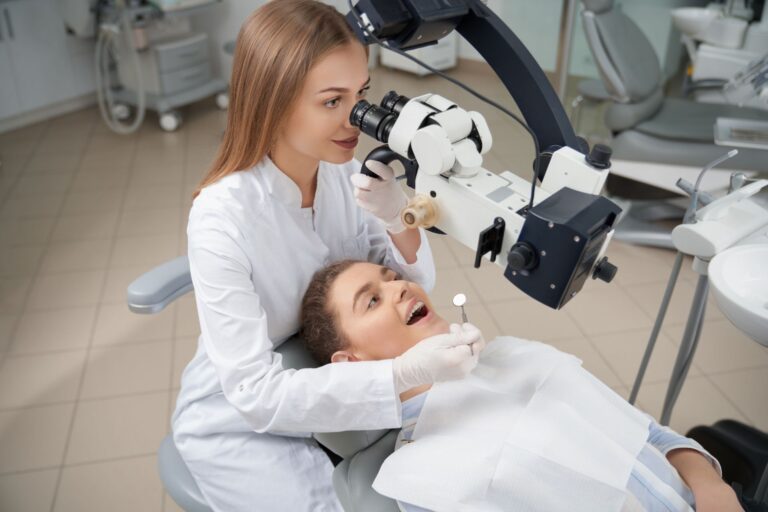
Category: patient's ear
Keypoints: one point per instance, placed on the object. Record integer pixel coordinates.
(343, 356)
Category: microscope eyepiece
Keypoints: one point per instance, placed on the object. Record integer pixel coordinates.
(373, 120)
(394, 102)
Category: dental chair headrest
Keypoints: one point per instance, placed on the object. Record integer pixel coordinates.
(597, 6)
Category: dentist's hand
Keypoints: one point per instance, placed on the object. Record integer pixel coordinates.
(442, 357)
(384, 198)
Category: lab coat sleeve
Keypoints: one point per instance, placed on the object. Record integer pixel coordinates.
(334, 397)
(665, 440)
(384, 252)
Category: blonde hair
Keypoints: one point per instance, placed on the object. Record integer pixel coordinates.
(276, 48)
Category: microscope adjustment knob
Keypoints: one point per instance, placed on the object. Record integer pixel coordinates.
(521, 257)
(604, 270)
(600, 156)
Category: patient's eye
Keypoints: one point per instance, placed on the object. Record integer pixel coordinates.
(374, 300)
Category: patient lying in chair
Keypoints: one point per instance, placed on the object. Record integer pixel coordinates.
(528, 430)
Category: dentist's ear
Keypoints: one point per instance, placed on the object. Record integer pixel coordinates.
(343, 356)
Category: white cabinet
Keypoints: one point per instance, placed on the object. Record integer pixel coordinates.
(38, 59)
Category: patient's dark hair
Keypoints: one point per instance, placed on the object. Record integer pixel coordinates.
(319, 322)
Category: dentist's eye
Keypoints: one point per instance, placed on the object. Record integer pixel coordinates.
(374, 300)
(363, 91)
(332, 103)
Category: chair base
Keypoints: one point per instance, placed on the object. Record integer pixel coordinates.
(177, 480)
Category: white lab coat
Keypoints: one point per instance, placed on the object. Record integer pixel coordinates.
(252, 253)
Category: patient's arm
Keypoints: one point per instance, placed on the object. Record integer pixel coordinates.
(712, 494)
(405, 395)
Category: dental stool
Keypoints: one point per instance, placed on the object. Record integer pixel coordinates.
(362, 452)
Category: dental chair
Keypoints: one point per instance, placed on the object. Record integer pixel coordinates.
(648, 127)
(362, 452)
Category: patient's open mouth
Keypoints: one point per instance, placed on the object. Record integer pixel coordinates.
(418, 311)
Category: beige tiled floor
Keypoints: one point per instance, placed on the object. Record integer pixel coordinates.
(86, 388)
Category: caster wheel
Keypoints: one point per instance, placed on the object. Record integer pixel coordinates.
(170, 121)
(222, 100)
(120, 111)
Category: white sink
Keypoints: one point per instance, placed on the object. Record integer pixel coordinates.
(710, 26)
(739, 279)
(693, 20)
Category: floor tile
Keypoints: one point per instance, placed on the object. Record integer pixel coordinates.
(125, 370)
(92, 202)
(54, 330)
(13, 292)
(85, 227)
(117, 283)
(624, 352)
(700, 403)
(722, 347)
(22, 260)
(148, 250)
(117, 325)
(76, 256)
(118, 427)
(187, 324)
(31, 207)
(649, 297)
(451, 281)
(26, 231)
(152, 198)
(746, 390)
(66, 290)
(42, 184)
(491, 285)
(30, 491)
(7, 325)
(530, 320)
(40, 379)
(608, 310)
(149, 222)
(33, 438)
(124, 485)
(592, 360)
(183, 351)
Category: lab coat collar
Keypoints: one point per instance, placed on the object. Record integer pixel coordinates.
(283, 188)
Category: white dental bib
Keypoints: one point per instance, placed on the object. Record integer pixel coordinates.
(529, 430)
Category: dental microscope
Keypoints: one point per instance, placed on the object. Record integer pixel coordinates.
(552, 232)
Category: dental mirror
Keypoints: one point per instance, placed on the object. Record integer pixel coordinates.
(459, 300)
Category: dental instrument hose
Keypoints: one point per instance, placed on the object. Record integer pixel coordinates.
(384, 44)
(105, 51)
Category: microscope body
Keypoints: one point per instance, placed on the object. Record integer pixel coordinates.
(550, 249)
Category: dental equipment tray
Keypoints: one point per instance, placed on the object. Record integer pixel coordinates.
(741, 133)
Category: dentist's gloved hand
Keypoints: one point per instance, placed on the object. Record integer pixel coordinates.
(384, 198)
(442, 357)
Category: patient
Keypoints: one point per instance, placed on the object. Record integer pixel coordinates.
(358, 311)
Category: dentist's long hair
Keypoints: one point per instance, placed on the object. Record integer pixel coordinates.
(276, 47)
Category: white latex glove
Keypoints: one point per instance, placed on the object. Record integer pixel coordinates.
(384, 198)
(442, 357)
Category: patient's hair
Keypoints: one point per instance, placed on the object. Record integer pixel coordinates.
(319, 322)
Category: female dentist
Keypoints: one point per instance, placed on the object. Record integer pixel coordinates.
(277, 205)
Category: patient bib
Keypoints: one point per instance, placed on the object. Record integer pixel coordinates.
(528, 430)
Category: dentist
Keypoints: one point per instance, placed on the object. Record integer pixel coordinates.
(277, 205)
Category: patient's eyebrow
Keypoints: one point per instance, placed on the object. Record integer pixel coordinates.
(367, 286)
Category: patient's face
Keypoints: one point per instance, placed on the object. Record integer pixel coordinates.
(380, 314)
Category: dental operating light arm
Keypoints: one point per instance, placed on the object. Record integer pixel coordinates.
(549, 248)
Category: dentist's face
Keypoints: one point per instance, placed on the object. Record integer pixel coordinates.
(380, 314)
(318, 126)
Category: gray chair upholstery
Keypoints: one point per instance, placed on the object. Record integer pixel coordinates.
(646, 125)
(362, 451)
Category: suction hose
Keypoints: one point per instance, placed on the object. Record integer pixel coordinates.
(105, 52)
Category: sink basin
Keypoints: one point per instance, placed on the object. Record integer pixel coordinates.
(710, 26)
(693, 20)
(739, 280)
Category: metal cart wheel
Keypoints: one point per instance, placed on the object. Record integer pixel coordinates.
(222, 100)
(170, 121)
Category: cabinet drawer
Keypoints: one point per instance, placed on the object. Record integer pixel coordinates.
(181, 54)
(182, 79)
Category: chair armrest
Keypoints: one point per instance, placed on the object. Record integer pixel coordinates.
(154, 290)
(353, 478)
